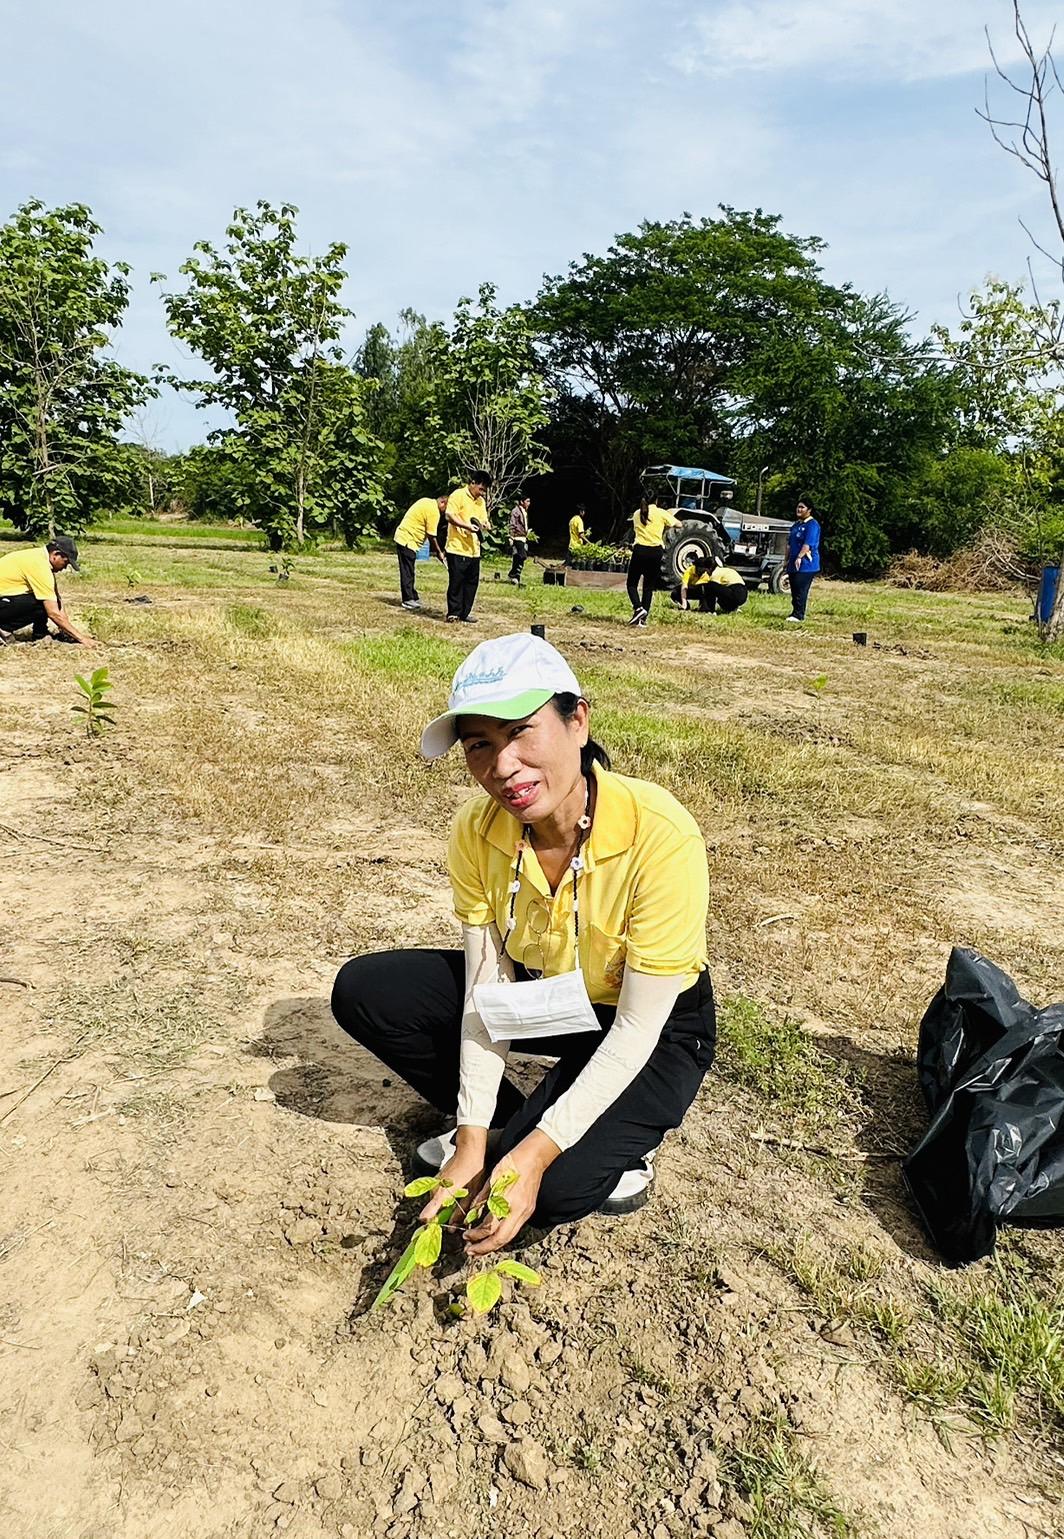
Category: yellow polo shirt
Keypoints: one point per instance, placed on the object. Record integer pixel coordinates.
(465, 507)
(27, 571)
(644, 890)
(421, 519)
(576, 532)
(653, 531)
(723, 576)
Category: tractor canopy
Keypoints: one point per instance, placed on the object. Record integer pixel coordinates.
(689, 473)
(696, 490)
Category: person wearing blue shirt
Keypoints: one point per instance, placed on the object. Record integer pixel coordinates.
(803, 557)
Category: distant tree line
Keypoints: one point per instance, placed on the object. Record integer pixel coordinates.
(711, 341)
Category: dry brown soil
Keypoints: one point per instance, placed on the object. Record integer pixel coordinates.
(199, 1177)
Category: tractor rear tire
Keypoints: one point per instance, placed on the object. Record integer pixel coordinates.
(692, 541)
(780, 581)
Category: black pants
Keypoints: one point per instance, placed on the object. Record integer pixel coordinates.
(463, 579)
(406, 1008)
(645, 568)
(801, 582)
(23, 609)
(407, 562)
(520, 556)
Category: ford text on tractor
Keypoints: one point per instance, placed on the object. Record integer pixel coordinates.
(711, 526)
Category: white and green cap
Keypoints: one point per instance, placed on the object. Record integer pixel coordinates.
(508, 678)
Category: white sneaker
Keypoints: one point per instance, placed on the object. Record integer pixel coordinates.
(631, 1191)
(434, 1153)
(411, 603)
(639, 618)
(794, 620)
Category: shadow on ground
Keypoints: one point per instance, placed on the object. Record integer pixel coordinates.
(335, 1079)
(895, 1122)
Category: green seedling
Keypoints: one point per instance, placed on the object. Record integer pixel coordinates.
(497, 1205)
(484, 1290)
(133, 577)
(424, 1248)
(95, 706)
(817, 686)
(282, 567)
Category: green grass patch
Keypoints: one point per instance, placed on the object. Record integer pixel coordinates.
(784, 1492)
(250, 620)
(408, 655)
(779, 1063)
(988, 1348)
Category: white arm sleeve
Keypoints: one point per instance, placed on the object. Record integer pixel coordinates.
(644, 1006)
(482, 1061)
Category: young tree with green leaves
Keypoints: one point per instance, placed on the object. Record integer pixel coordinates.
(62, 400)
(490, 400)
(267, 320)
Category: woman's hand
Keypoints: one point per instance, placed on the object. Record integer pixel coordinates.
(464, 1168)
(529, 1159)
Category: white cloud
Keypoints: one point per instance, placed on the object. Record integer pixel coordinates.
(897, 39)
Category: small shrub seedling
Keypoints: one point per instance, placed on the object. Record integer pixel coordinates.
(282, 568)
(484, 1289)
(95, 705)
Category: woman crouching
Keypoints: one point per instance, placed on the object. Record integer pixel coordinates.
(582, 896)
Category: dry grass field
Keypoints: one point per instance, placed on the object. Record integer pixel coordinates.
(200, 1181)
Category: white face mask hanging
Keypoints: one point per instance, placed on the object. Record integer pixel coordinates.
(543, 1007)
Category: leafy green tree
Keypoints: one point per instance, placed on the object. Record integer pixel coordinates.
(62, 400)
(458, 397)
(489, 397)
(267, 320)
(1006, 383)
(657, 332)
(849, 414)
(401, 372)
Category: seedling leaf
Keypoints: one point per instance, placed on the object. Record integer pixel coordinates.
(522, 1273)
(427, 1244)
(422, 1186)
(499, 1206)
(397, 1276)
(484, 1291)
(474, 1213)
(504, 1183)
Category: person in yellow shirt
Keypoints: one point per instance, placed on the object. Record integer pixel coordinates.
(644, 569)
(715, 586)
(583, 897)
(579, 534)
(29, 592)
(420, 523)
(466, 514)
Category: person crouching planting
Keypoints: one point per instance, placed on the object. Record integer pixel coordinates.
(582, 896)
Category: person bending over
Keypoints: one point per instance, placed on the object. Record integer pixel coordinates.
(582, 896)
(715, 587)
(29, 591)
(420, 523)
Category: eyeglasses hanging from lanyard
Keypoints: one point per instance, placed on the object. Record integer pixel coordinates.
(576, 865)
(543, 1007)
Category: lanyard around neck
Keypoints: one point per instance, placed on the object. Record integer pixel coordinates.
(576, 865)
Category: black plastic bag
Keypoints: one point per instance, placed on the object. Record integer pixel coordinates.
(991, 1068)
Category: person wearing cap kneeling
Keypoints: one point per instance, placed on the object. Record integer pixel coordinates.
(582, 896)
(715, 586)
(29, 591)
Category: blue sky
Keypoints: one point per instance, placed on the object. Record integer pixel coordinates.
(498, 139)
